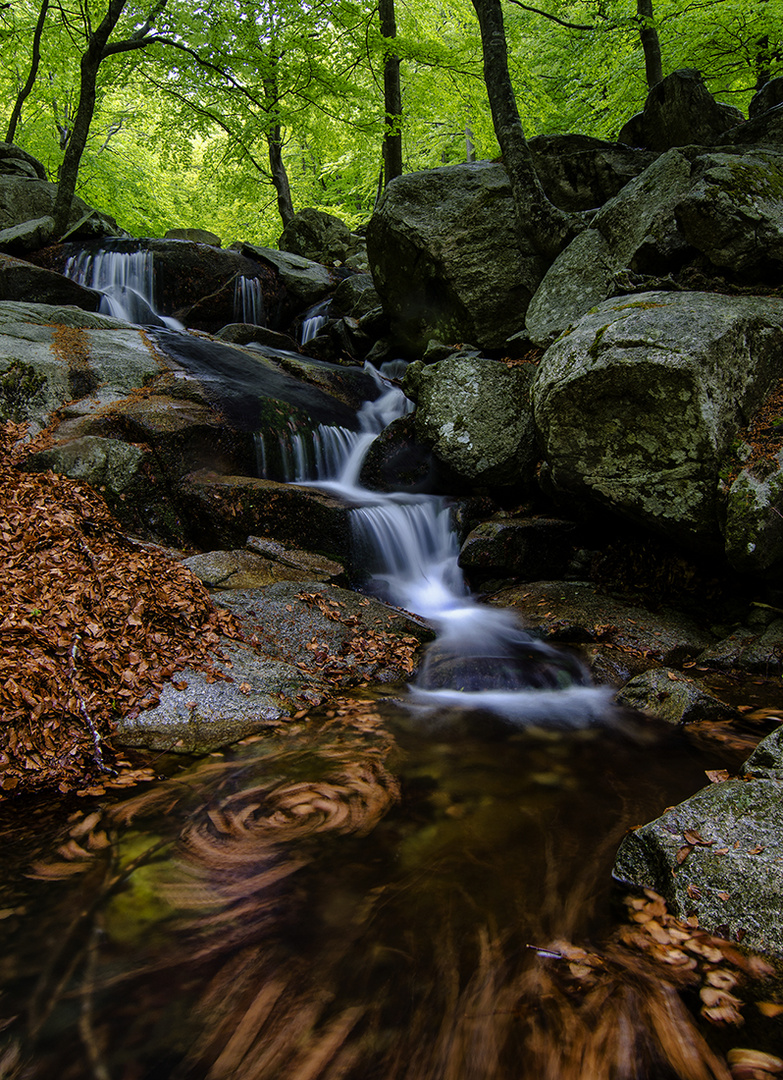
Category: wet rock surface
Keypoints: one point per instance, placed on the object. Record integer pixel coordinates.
(716, 857)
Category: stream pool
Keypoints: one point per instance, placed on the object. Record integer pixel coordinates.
(361, 895)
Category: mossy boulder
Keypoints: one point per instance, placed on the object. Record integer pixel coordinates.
(717, 856)
(475, 413)
(639, 403)
(733, 212)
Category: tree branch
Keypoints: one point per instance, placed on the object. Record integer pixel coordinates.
(553, 18)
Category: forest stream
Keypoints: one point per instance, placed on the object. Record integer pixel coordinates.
(411, 883)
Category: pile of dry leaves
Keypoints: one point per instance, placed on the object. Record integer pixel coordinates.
(91, 626)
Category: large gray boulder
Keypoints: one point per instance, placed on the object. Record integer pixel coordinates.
(475, 414)
(50, 355)
(24, 199)
(198, 713)
(579, 172)
(14, 161)
(20, 280)
(770, 95)
(639, 224)
(717, 856)
(306, 281)
(638, 404)
(314, 234)
(680, 111)
(580, 277)
(733, 212)
(446, 258)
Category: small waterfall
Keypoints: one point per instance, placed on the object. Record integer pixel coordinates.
(312, 321)
(408, 553)
(127, 281)
(249, 301)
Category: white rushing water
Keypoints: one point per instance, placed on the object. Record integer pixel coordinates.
(127, 281)
(408, 549)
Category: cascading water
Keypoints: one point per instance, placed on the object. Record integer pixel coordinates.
(249, 301)
(312, 321)
(408, 551)
(127, 281)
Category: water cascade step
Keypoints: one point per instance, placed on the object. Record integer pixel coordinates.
(405, 551)
(127, 281)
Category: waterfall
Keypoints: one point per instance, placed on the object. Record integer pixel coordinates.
(249, 301)
(312, 321)
(407, 552)
(126, 280)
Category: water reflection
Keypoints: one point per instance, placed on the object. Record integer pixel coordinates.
(352, 900)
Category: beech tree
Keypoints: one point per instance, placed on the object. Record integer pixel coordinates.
(98, 49)
(538, 218)
(392, 94)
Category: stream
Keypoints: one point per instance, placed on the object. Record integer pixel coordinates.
(392, 887)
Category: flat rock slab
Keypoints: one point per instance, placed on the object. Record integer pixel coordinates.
(337, 635)
(198, 713)
(224, 510)
(580, 613)
(243, 569)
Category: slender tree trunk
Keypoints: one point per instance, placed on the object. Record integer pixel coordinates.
(32, 74)
(651, 45)
(285, 204)
(90, 63)
(392, 94)
(540, 221)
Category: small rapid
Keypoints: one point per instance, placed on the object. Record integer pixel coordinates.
(405, 551)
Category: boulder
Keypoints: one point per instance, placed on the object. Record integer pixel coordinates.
(305, 280)
(27, 236)
(198, 713)
(50, 355)
(446, 257)
(733, 212)
(530, 548)
(580, 277)
(338, 635)
(20, 280)
(475, 414)
(748, 649)
(680, 111)
(754, 519)
(765, 130)
(639, 224)
(716, 857)
(195, 236)
(398, 461)
(14, 161)
(674, 698)
(579, 172)
(223, 510)
(638, 404)
(356, 295)
(770, 95)
(248, 333)
(319, 236)
(240, 569)
(23, 199)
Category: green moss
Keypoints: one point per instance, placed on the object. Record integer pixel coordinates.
(20, 384)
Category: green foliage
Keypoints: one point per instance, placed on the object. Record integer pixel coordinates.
(181, 129)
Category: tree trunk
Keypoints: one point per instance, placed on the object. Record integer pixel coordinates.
(392, 95)
(546, 227)
(651, 45)
(285, 204)
(90, 63)
(31, 77)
